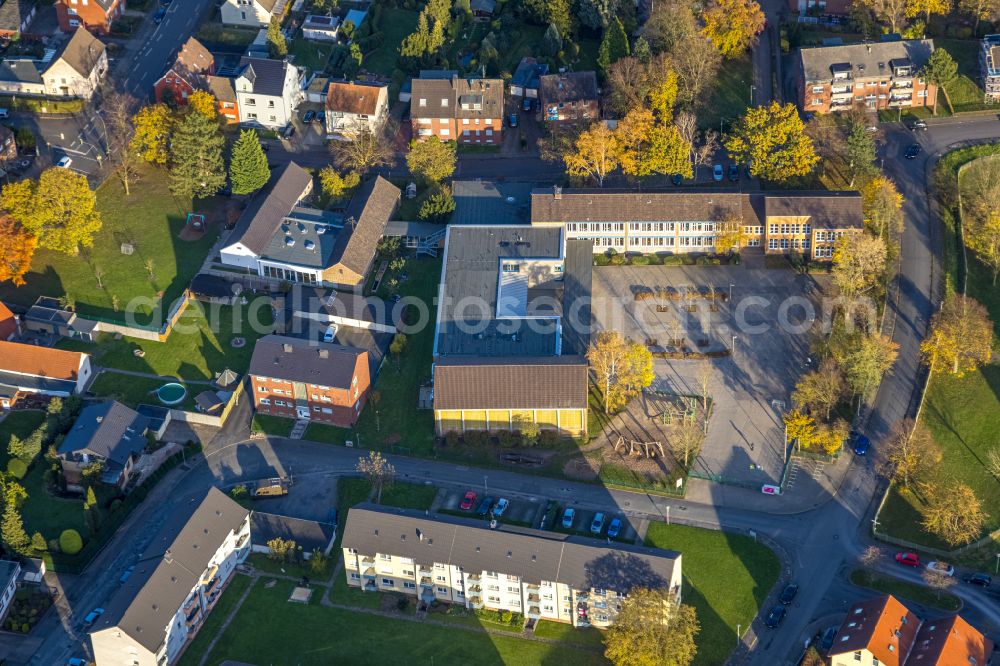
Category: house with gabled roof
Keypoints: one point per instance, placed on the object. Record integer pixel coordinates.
(466, 110)
(94, 15)
(156, 613)
(267, 91)
(352, 108)
(16, 17)
(569, 97)
(251, 13)
(107, 433)
(188, 72)
(28, 368)
(75, 69)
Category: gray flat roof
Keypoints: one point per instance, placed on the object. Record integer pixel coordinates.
(490, 202)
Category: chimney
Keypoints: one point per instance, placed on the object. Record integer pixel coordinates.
(557, 193)
(324, 353)
(287, 347)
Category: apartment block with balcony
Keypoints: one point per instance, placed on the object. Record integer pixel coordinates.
(452, 108)
(542, 575)
(176, 583)
(990, 63)
(876, 76)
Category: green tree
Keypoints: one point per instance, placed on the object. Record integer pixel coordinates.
(438, 206)
(58, 208)
(552, 41)
(318, 562)
(38, 544)
(431, 160)
(12, 531)
(861, 153)
(882, 205)
(652, 630)
(276, 44)
(941, 70)
(960, 337)
(248, 170)
(197, 168)
(641, 51)
(336, 186)
(771, 139)
(866, 364)
(614, 45)
(596, 14)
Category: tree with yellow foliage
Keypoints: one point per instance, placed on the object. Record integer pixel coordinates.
(646, 146)
(830, 437)
(772, 140)
(927, 7)
(594, 154)
(882, 206)
(17, 247)
(203, 102)
(733, 25)
(663, 96)
(729, 235)
(622, 368)
(800, 428)
(961, 336)
(152, 133)
(651, 629)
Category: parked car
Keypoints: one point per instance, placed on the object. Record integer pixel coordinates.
(788, 594)
(500, 507)
(826, 642)
(527, 104)
(468, 501)
(330, 334)
(676, 179)
(126, 574)
(918, 125)
(912, 151)
(77, 661)
(289, 131)
(513, 120)
(941, 567)
(909, 559)
(92, 616)
(861, 443)
(614, 528)
(308, 116)
(717, 173)
(597, 524)
(64, 162)
(774, 617)
(321, 117)
(567, 519)
(980, 579)
(485, 506)
(158, 15)
(734, 172)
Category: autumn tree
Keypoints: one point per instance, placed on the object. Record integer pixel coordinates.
(622, 368)
(614, 45)
(800, 428)
(871, 556)
(651, 629)
(915, 8)
(697, 63)
(646, 146)
(939, 581)
(686, 440)
(197, 168)
(910, 452)
(367, 149)
(378, 470)
(432, 160)
(729, 235)
(733, 25)
(771, 139)
(118, 110)
(866, 364)
(981, 10)
(594, 154)
(153, 124)
(882, 207)
(58, 209)
(822, 389)
(858, 263)
(960, 336)
(248, 170)
(981, 211)
(829, 437)
(941, 70)
(891, 12)
(993, 461)
(953, 512)
(17, 248)
(203, 102)
(336, 186)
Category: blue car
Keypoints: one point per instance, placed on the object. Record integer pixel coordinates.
(128, 572)
(567, 519)
(861, 443)
(501, 507)
(597, 525)
(614, 528)
(513, 120)
(485, 506)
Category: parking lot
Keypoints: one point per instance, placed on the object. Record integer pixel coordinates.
(759, 339)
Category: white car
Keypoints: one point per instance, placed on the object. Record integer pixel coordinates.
(64, 162)
(330, 334)
(941, 567)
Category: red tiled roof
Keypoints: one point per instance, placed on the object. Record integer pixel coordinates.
(8, 323)
(39, 361)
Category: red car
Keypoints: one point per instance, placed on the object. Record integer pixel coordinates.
(909, 559)
(468, 501)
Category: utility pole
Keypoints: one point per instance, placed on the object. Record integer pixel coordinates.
(486, 484)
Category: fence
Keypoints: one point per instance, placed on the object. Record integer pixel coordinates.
(210, 419)
(160, 334)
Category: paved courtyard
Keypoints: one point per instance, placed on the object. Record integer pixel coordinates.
(766, 324)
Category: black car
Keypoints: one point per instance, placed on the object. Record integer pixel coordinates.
(158, 15)
(309, 115)
(788, 594)
(826, 642)
(676, 179)
(912, 151)
(980, 579)
(775, 617)
(734, 172)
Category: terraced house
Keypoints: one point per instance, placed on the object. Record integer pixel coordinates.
(452, 108)
(671, 222)
(542, 575)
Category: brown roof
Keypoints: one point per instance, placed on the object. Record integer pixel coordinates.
(8, 323)
(353, 98)
(194, 57)
(883, 626)
(457, 98)
(364, 223)
(222, 88)
(593, 205)
(300, 360)
(951, 641)
(268, 208)
(540, 382)
(826, 210)
(568, 87)
(40, 361)
(82, 51)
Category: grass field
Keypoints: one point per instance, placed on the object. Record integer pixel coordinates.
(151, 218)
(197, 348)
(303, 634)
(47, 514)
(397, 24)
(588, 637)
(726, 578)
(21, 424)
(409, 496)
(213, 623)
(310, 54)
(272, 425)
(729, 96)
(920, 594)
(965, 93)
(134, 391)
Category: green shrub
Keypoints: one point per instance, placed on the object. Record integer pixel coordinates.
(70, 542)
(673, 260)
(17, 468)
(641, 260)
(477, 437)
(616, 260)
(508, 438)
(451, 439)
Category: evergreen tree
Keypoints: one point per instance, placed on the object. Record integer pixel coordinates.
(641, 51)
(197, 168)
(91, 512)
(38, 543)
(276, 45)
(552, 40)
(12, 530)
(248, 171)
(614, 46)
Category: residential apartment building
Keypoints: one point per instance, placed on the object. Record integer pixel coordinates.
(94, 15)
(189, 72)
(106, 433)
(251, 13)
(989, 61)
(823, 7)
(74, 69)
(352, 108)
(9, 573)
(34, 369)
(542, 575)
(176, 583)
(267, 91)
(883, 631)
(672, 222)
(874, 76)
(512, 330)
(456, 109)
(569, 97)
(304, 379)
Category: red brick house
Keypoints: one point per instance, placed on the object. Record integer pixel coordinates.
(304, 379)
(569, 97)
(95, 15)
(468, 111)
(189, 72)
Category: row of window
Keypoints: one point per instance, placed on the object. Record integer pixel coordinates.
(641, 226)
(829, 235)
(281, 403)
(789, 228)
(788, 244)
(871, 98)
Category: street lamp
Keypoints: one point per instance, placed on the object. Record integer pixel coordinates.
(738, 627)
(733, 348)
(731, 285)
(998, 564)
(485, 484)
(751, 94)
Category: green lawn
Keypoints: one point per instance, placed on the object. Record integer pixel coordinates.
(310, 54)
(213, 623)
(729, 95)
(397, 24)
(21, 424)
(409, 496)
(197, 348)
(726, 578)
(272, 425)
(151, 218)
(588, 637)
(966, 95)
(262, 562)
(920, 594)
(217, 35)
(47, 514)
(134, 391)
(342, 593)
(303, 634)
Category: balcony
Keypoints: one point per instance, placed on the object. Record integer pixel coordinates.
(192, 604)
(370, 586)
(369, 572)
(243, 541)
(476, 601)
(475, 577)
(842, 96)
(534, 597)
(534, 611)
(532, 586)
(367, 560)
(425, 570)
(476, 588)
(426, 581)
(900, 102)
(213, 585)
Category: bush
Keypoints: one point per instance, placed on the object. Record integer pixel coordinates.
(451, 439)
(477, 438)
(508, 438)
(437, 207)
(402, 604)
(17, 468)
(70, 542)
(53, 545)
(641, 260)
(673, 260)
(616, 260)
